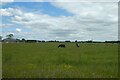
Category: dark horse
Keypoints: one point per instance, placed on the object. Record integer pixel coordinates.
(61, 45)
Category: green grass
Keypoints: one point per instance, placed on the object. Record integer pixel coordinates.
(0, 60)
(45, 60)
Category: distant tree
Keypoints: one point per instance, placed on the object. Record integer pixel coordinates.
(112, 41)
(10, 36)
(39, 41)
(118, 41)
(23, 40)
(50, 41)
(75, 40)
(89, 41)
(17, 40)
(31, 41)
(67, 41)
(43, 41)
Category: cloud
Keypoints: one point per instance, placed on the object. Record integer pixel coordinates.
(73, 0)
(85, 0)
(5, 25)
(10, 12)
(94, 29)
(3, 12)
(89, 9)
(97, 21)
(63, 32)
(7, 0)
(18, 30)
(4, 2)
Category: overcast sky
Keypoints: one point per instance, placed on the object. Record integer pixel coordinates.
(60, 20)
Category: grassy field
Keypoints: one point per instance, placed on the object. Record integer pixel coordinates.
(45, 60)
(0, 60)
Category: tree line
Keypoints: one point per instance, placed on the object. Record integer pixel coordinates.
(10, 37)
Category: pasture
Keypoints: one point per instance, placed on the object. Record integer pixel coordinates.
(46, 60)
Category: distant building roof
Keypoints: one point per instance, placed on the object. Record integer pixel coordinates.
(9, 40)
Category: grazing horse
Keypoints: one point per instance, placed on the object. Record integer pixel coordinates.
(77, 45)
(61, 45)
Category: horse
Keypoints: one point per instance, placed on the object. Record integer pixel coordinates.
(77, 45)
(61, 45)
